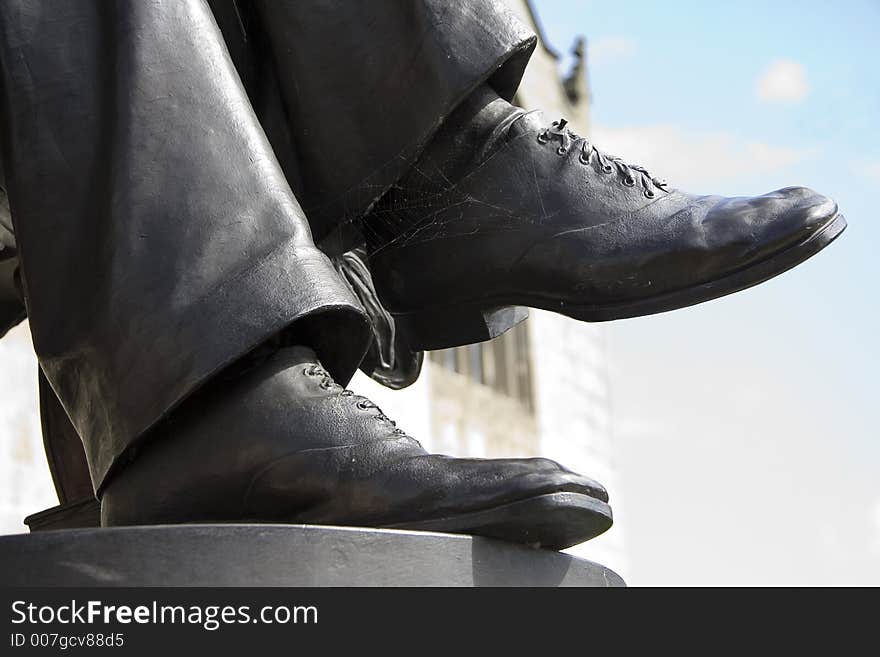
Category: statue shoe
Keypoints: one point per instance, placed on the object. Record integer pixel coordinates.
(538, 216)
(284, 443)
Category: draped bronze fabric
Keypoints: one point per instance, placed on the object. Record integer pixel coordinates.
(158, 157)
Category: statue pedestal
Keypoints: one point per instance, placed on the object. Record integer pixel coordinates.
(282, 555)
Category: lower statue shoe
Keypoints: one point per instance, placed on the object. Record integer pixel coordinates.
(504, 210)
(284, 443)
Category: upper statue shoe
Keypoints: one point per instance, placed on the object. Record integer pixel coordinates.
(540, 217)
(284, 443)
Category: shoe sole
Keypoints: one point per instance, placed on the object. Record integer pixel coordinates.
(554, 521)
(442, 328)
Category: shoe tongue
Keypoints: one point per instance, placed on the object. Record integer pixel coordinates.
(526, 123)
(513, 126)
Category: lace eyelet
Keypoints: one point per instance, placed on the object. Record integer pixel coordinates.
(561, 150)
(362, 405)
(583, 159)
(607, 168)
(649, 193)
(543, 138)
(629, 182)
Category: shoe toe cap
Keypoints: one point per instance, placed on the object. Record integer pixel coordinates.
(817, 210)
(804, 208)
(572, 481)
(778, 219)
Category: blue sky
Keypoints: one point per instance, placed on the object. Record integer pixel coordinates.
(746, 428)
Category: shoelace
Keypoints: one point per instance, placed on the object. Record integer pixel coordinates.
(327, 383)
(608, 163)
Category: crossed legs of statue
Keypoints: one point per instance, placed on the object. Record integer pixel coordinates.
(171, 168)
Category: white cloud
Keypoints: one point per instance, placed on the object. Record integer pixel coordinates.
(603, 50)
(690, 159)
(783, 81)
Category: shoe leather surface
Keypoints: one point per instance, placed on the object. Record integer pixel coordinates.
(546, 220)
(284, 443)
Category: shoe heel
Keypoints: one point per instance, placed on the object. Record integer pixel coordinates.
(441, 329)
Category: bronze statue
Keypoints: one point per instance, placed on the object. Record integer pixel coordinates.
(180, 175)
